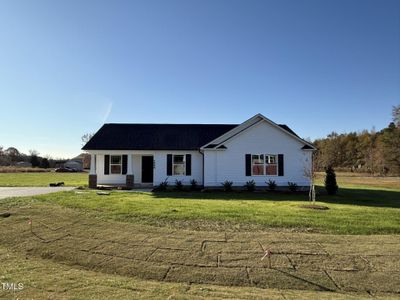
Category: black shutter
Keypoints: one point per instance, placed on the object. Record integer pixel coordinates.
(169, 164)
(280, 165)
(124, 164)
(106, 164)
(188, 164)
(248, 164)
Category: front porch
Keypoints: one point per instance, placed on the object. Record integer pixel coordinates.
(121, 170)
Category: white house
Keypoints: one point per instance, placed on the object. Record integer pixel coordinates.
(146, 154)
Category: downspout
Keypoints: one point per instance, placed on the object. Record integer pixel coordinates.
(202, 153)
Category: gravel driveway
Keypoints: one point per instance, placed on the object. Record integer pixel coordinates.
(6, 192)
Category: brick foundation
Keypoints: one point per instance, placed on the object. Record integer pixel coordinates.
(92, 181)
(129, 181)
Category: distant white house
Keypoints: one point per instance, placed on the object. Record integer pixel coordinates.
(258, 149)
(74, 164)
(23, 164)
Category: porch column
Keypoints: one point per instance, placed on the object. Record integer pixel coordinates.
(129, 173)
(92, 173)
(92, 164)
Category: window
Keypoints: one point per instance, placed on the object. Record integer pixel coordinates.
(178, 165)
(264, 164)
(115, 164)
(257, 164)
(271, 165)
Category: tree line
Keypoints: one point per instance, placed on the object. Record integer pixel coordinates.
(367, 151)
(12, 157)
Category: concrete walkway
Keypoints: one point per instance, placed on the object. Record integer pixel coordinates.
(6, 192)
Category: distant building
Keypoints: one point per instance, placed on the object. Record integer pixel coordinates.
(23, 164)
(74, 164)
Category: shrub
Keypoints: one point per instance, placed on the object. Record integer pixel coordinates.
(330, 181)
(250, 185)
(178, 185)
(292, 186)
(227, 185)
(271, 185)
(193, 185)
(162, 186)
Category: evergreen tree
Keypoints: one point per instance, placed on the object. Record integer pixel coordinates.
(330, 181)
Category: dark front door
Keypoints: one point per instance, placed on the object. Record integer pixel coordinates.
(147, 168)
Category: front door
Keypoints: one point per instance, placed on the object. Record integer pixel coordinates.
(147, 169)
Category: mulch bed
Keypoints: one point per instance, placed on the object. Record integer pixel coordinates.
(314, 206)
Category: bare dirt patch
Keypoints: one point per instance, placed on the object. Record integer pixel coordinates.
(300, 261)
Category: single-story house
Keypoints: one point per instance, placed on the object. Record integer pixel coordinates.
(23, 164)
(138, 155)
(74, 164)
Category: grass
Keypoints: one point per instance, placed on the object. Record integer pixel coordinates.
(353, 211)
(42, 179)
(71, 255)
(192, 245)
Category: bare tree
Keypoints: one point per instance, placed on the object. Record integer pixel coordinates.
(86, 138)
(309, 173)
(396, 115)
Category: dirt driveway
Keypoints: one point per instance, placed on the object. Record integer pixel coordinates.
(369, 265)
(6, 192)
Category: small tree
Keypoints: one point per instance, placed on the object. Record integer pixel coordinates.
(330, 181)
(309, 172)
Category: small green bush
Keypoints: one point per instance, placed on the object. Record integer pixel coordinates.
(162, 186)
(292, 186)
(330, 181)
(178, 185)
(227, 185)
(271, 185)
(250, 185)
(193, 185)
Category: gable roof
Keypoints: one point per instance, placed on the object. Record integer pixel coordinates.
(155, 136)
(118, 136)
(249, 123)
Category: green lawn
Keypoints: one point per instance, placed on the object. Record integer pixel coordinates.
(353, 211)
(42, 179)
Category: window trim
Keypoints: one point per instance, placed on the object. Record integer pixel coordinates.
(265, 164)
(184, 164)
(111, 164)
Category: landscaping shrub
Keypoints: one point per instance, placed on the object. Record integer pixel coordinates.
(178, 185)
(227, 185)
(271, 185)
(330, 181)
(292, 186)
(193, 185)
(162, 186)
(250, 185)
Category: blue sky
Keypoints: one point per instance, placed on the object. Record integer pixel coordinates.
(66, 67)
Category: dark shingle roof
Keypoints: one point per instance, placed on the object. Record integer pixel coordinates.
(155, 136)
(158, 136)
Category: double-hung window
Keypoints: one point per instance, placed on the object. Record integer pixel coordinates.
(257, 164)
(178, 165)
(271, 165)
(264, 164)
(115, 164)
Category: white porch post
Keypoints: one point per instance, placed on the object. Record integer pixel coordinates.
(92, 164)
(130, 169)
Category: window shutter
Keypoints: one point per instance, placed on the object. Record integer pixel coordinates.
(188, 164)
(248, 164)
(124, 164)
(280, 165)
(169, 164)
(106, 164)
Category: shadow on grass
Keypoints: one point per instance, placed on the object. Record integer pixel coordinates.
(360, 197)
